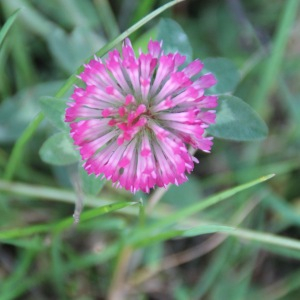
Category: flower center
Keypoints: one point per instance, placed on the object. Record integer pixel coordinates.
(129, 118)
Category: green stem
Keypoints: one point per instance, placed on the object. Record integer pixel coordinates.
(142, 216)
(143, 8)
(50, 193)
(19, 147)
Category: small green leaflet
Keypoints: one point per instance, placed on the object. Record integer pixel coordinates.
(59, 150)
(174, 38)
(236, 120)
(54, 110)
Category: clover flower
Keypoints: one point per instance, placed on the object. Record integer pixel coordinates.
(136, 115)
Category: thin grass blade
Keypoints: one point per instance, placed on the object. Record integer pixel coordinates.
(6, 27)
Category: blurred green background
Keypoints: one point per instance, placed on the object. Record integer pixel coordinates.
(42, 256)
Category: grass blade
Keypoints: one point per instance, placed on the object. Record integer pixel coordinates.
(195, 231)
(59, 226)
(205, 203)
(6, 27)
(276, 58)
(265, 238)
(25, 261)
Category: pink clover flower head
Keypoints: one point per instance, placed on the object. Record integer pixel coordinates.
(136, 115)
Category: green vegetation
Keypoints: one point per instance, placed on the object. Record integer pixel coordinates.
(231, 232)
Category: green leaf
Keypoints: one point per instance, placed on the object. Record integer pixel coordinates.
(174, 38)
(17, 111)
(54, 110)
(70, 50)
(236, 120)
(226, 73)
(5, 28)
(91, 185)
(59, 150)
